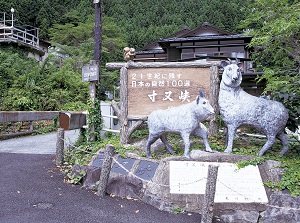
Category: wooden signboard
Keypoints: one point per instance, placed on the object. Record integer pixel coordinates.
(146, 87)
(150, 89)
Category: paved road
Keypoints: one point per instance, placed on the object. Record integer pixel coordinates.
(38, 144)
(32, 190)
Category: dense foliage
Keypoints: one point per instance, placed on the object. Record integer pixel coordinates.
(275, 27)
(45, 13)
(56, 83)
(142, 21)
(27, 85)
(147, 21)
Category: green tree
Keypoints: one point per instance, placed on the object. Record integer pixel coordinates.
(27, 85)
(275, 27)
(13, 64)
(136, 18)
(43, 23)
(45, 13)
(78, 40)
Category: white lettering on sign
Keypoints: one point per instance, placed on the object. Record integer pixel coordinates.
(233, 185)
(168, 96)
(90, 73)
(161, 80)
(152, 96)
(158, 79)
(184, 96)
(164, 87)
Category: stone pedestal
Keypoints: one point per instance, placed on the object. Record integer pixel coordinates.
(158, 183)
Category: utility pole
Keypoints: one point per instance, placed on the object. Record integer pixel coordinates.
(98, 31)
(97, 57)
(97, 45)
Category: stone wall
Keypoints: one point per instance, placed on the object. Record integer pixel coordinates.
(149, 180)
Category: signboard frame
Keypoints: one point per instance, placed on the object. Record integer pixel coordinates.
(122, 109)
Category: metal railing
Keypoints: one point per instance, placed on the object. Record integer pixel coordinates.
(28, 37)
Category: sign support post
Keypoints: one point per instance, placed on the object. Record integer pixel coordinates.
(91, 72)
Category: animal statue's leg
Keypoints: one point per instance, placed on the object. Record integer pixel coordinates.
(201, 131)
(186, 139)
(164, 140)
(231, 129)
(285, 142)
(226, 136)
(268, 144)
(152, 138)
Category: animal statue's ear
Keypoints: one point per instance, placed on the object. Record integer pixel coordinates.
(126, 49)
(240, 64)
(197, 100)
(224, 63)
(202, 95)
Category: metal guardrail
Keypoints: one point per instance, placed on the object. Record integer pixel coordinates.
(25, 37)
(19, 35)
(110, 130)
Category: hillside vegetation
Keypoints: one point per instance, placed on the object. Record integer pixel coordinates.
(146, 21)
(28, 85)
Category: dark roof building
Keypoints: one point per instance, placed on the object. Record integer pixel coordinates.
(203, 43)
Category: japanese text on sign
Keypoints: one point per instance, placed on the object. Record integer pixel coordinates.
(161, 88)
(158, 80)
(233, 185)
(90, 73)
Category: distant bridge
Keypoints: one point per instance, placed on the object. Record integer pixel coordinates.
(29, 38)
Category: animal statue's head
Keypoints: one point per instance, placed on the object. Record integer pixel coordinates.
(232, 76)
(128, 53)
(203, 106)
